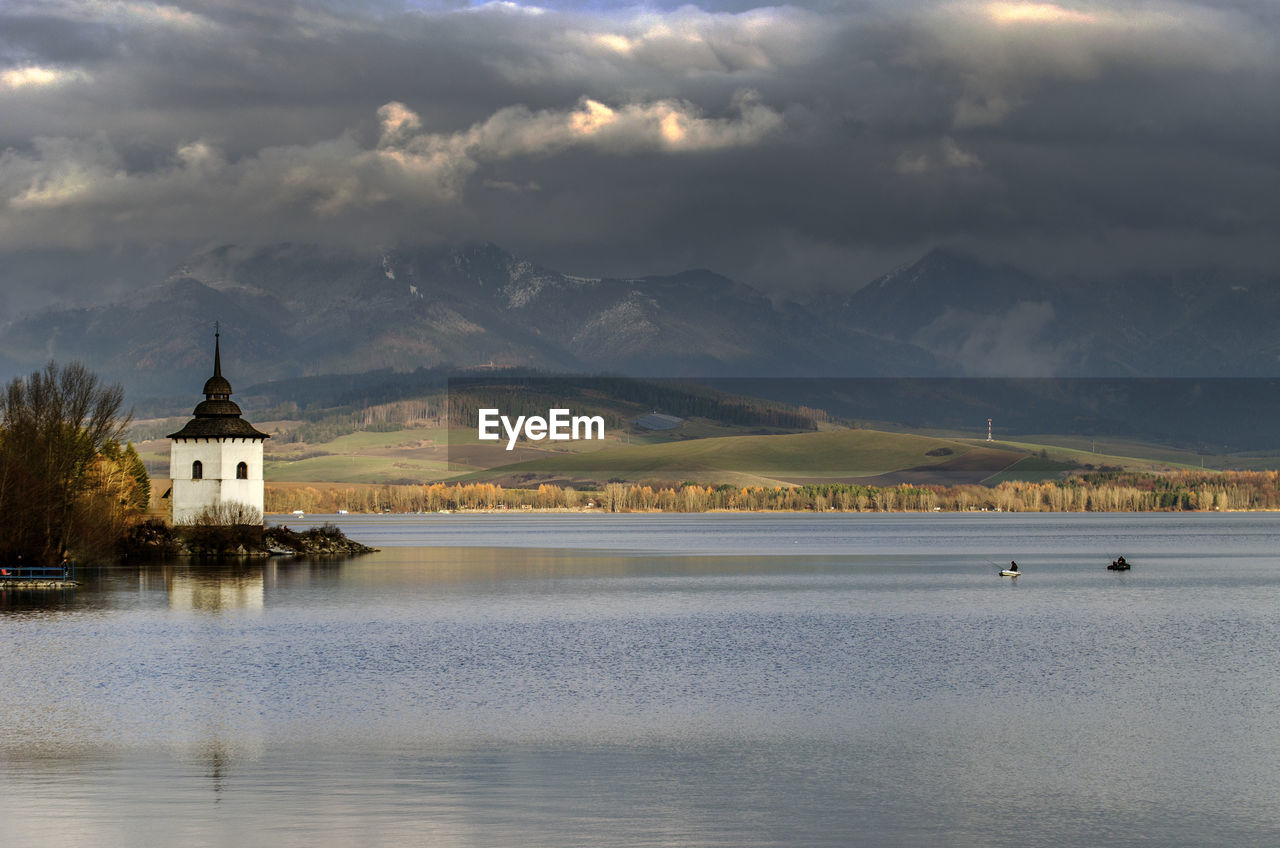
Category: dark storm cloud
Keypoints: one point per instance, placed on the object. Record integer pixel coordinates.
(785, 145)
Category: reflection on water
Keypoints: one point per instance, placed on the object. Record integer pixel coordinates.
(852, 691)
(217, 759)
(207, 586)
(211, 594)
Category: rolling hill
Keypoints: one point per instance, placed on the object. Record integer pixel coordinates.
(841, 455)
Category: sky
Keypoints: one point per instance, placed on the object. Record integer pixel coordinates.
(791, 147)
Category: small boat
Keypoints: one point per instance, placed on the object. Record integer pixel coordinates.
(1118, 565)
(1008, 573)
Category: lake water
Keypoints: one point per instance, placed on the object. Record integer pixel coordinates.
(653, 680)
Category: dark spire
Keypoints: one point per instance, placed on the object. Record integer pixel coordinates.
(217, 416)
(217, 351)
(217, 387)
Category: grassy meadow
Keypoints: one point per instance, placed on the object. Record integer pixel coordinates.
(699, 450)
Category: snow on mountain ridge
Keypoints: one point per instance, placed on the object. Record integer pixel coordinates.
(525, 281)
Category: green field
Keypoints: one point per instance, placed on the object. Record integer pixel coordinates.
(707, 452)
(844, 455)
(1131, 456)
(871, 457)
(1030, 469)
(365, 456)
(1150, 455)
(355, 468)
(364, 441)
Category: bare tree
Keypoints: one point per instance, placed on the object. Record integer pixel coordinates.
(223, 528)
(55, 423)
(228, 514)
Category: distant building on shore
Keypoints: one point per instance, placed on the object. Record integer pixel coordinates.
(216, 459)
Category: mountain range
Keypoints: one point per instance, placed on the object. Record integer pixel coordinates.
(987, 320)
(292, 309)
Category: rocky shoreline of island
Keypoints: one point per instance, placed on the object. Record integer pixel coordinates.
(156, 539)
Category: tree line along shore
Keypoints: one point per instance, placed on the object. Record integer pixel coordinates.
(1094, 492)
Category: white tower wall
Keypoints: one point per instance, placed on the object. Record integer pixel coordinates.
(218, 484)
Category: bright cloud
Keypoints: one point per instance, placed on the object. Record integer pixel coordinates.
(690, 40)
(409, 166)
(1037, 13)
(33, 76)
(504, 7)
(669, 126)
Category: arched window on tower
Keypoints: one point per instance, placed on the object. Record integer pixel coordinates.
(242, 471)
(197, 470)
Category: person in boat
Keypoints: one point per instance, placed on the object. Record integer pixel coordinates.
(1120, 560)
(1013, 566)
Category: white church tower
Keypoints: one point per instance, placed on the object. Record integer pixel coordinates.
(216, 459)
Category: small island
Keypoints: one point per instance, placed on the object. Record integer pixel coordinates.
(215, 495)
(72, 493)
(156, 539)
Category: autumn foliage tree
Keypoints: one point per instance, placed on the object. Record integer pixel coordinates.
(65, 483)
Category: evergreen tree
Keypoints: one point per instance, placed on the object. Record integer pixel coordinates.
(138, 470)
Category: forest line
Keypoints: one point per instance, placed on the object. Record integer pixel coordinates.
(1097, 492)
